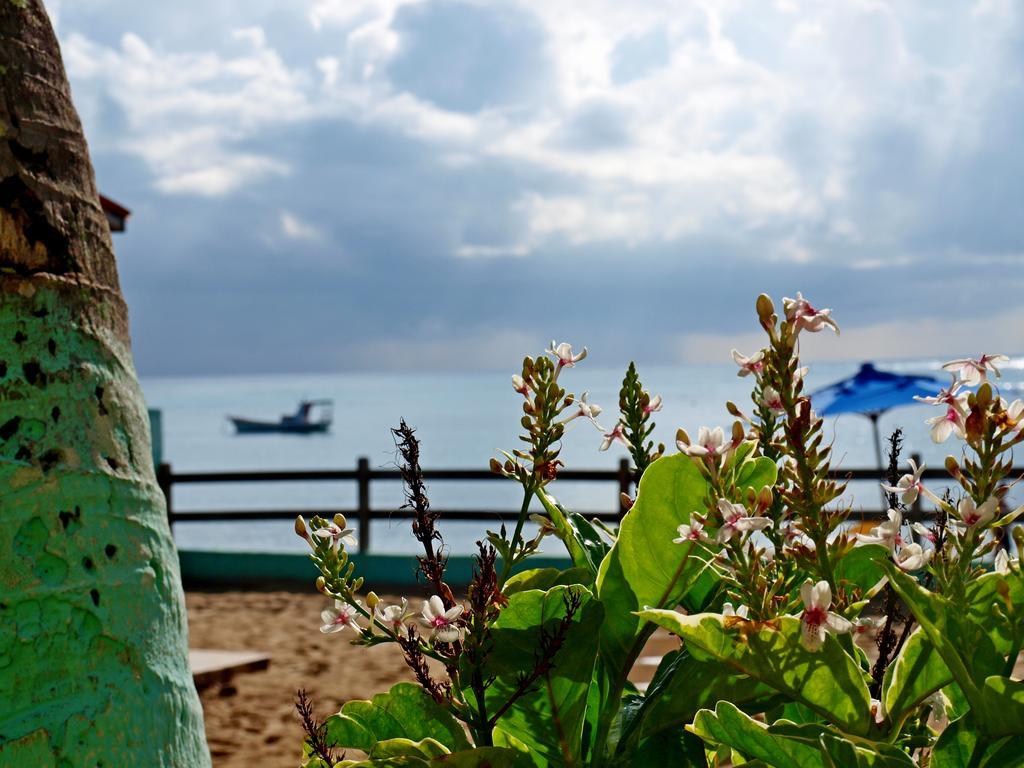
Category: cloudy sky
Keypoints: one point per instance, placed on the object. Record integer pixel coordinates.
(392, 184)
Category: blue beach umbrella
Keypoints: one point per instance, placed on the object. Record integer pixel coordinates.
(871, 392)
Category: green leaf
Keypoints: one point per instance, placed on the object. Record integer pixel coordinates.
(584, 544)
(728, 726)
(955, 744)
(481, 757)
(683, 685)
(919, 670)
(645, 567)
(404, 712)
(546, 578)
(549, 719)
(1004, 706)
(859, 568)
(967, 642)
(827, 681)
(426, 748)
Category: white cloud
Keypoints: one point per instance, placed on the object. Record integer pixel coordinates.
(890, 339)
(295, 228)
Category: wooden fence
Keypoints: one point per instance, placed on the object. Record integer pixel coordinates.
(364, 476)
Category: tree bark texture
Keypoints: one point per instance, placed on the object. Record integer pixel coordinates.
(93, 640)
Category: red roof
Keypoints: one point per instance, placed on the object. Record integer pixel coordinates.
(109, 206)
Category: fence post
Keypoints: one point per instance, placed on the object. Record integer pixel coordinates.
(363, 503)
(163, 479)
(625, 479)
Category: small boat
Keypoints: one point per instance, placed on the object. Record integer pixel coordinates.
(301, 422)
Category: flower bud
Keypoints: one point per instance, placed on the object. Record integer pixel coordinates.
(730, 406)
(737, 433)
(321, 584)
(681, 437)
(953, 467)
(765, 311)
(1018, 537)
(626, 501)
(340, 521)
(372, 601)
(984, 394)
(300, 528)
(495, 466)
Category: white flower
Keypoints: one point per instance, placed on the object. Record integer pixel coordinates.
(1002, 562)
(887, 533)
(728, 611)
(878, 710)
(341, 616)
(977, 515)
(866, 625)
(589, 411)
(519, 385)
(771, 399)
(973, 372)
(692, 532)
(805, 317)
(749, 365)
(563, 353)
(939, 704)
(441, 621)
(710, 442)
(337, 533)
(738, 520)
(909, 486)
(617, 435)
(816, 620)
(393, 616)
(913, 558)
(953, 422)
(655, 405)
(924, 532)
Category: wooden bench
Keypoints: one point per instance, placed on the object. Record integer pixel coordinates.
(211, 667)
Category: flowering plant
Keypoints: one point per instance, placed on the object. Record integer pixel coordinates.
(738, 544)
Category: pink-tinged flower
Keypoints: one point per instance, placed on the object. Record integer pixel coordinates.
(519, 385)
(563, 354)
(654, 405)
(589, 411)
(617, 435)
(443, 623)
(952, 422)
(710, 442)
(547, 528)
(866, 625)
(692, 532)
(913, 557)
(924, 532)
(977, 515)
(772, 400)
(947, 396)
(816, 620)
(1013, 414)
(341, 616)
(337, 532)
(805, 317)
(877, 711)
(728, 611)
(908, 486)
(736, 520)
(973, 372)
(393, 616)
(749, 365)
(888, 533)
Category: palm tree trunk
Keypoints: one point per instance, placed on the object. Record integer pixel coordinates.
(93, 639)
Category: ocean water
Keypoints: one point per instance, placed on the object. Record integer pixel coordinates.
(462, 420)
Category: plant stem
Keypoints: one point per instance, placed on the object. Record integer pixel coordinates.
(506, 567)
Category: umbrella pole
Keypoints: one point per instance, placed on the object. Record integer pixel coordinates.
(878, 451)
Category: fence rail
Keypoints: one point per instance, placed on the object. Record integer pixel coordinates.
(364, 476)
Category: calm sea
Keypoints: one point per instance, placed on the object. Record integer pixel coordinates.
(462, 421)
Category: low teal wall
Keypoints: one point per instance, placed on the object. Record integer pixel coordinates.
(253, 569)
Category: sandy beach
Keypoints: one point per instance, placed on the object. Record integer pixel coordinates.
(251, 720)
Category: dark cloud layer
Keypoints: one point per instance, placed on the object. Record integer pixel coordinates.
(452, 184)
